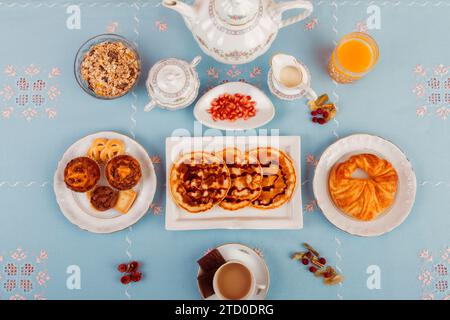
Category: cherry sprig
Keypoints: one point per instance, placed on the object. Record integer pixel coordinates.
(131, 271)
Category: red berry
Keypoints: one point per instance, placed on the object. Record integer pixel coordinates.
(312, 269)
(314, 120)
(305, 261)
(314, 113)
(309, 254)
(136, 276)
(122, 267)
(325, 114)
(126, 279)
(133, 266)
(327, 275)
(323, 261)
(319, 111)
(321, 121)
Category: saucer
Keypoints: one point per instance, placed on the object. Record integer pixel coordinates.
(288, 95)
(340, 151)
(248, 256)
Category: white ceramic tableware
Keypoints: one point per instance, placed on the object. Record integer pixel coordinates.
(76, 207)
(265, 111)
(254, 287)
(237, 31)
(287, 216)
(172, 84)
(253, 261)
(340, 151)
(277, 85)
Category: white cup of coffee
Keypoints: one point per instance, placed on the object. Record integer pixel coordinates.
(235, 281)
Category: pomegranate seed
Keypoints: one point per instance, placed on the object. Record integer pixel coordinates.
(314, 113)
(312, 269)
(125, 279)
(319, 111)
(122, 267)
(315, 119)
(232, 107)
(323, 260)
(325, 114)
(305, 261)
(309, 255)
(133, 266)
(321, 121)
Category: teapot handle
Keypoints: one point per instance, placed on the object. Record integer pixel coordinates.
(295, 4)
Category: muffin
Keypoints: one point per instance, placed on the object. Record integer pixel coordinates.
(81, 174)
(103, 198)
(123, 172)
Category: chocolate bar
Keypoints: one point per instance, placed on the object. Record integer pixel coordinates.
(211, 261)
(205, 283)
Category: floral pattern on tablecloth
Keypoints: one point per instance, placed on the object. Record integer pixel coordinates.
(29, 92)
(245, 73)
(434, 275)
(23, 276)
(432, 90)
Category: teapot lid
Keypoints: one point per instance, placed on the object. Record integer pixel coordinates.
(236, 12)
(172, 82)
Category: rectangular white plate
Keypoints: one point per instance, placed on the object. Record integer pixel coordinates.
(288, 216)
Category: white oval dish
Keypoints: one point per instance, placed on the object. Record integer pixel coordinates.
(265, 111)
(340, 151)
(252, 259)
(76, 207)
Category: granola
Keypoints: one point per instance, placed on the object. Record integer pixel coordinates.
(110, 68)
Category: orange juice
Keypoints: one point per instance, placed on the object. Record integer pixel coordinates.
(353, 57)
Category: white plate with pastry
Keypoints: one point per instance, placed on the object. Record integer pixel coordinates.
(263, 107)
(245, 182)
(105, 182)
(364, 185)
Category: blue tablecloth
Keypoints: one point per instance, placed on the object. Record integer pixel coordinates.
(406, 99)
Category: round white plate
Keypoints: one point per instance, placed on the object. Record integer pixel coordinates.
(265, 111)
(253, 260)
(75, 205)
(340, 151)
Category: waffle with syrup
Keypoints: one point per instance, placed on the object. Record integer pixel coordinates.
(279, 178)
(246, 179)
(198, 181)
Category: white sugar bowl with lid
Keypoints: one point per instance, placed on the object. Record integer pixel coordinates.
(172, 84)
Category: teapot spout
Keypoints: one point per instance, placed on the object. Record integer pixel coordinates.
(182, 8)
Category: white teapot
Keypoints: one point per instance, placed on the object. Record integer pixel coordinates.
(237, 31)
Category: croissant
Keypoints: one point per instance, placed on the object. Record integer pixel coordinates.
(363, 199)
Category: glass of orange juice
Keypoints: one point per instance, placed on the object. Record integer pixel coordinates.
(354, 56)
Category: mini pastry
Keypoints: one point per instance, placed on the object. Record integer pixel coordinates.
(113, 147)
(363, 199)
(97, 146)
(246, 178)
(103, 198)
(279, 178)
(198, 181)
(81, 174)
(123, 172)
(125, 200)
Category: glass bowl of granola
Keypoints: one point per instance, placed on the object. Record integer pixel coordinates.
(107, 66)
